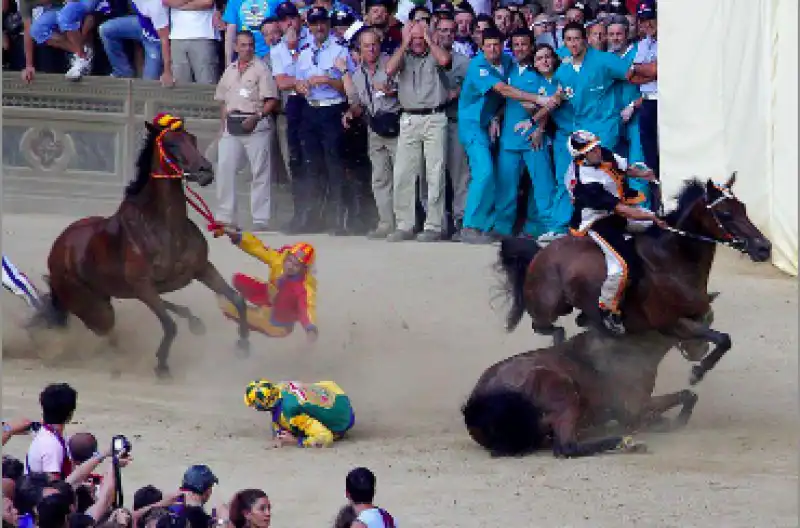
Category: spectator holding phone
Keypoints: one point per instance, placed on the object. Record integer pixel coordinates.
(15, 427)
(48, 451)
(197, 486)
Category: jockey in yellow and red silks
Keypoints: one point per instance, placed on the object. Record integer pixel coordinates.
(288, 297)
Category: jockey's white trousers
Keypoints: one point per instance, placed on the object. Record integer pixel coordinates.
(616, 275)
(18, 284)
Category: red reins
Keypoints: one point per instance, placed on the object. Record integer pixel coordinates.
(192, 198)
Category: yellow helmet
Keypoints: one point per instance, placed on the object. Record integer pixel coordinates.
(261, 395)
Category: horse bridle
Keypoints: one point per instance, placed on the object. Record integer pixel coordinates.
(166, 161)
(727, 237)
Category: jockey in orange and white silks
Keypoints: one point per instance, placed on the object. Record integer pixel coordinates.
(17, 283)
(604, 205)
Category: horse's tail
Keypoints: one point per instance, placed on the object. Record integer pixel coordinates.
(514, 257)
(505, 422)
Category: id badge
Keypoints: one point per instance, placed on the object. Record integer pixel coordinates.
(244, 92)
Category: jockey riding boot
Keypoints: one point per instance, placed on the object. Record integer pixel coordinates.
(612, 321)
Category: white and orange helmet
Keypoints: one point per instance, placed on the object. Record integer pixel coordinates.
(580, 142)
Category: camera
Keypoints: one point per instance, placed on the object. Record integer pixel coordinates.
(120, 446)
(34, 427)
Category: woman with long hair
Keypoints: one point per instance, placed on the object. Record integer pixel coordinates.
(250, 508)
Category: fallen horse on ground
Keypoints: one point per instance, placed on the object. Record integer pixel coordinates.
(554, 397)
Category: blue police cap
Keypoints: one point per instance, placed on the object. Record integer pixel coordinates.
(317, 14)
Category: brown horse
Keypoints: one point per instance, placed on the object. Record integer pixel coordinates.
(556, 396)
(147, 248)
(670, 295)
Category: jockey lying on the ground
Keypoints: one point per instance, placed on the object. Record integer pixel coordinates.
(303, 414)
(17, 283)
(288, 297)
(603, 205)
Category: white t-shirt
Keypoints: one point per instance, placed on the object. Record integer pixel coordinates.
(186, 25)
(372, 518)
(155, 11)
(46, 454)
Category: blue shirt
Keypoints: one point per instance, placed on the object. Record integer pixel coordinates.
(590, 94)
(626, 91)
(478, 103)
(320, 60)
(248, 15)
(647, 53)
(527, 79)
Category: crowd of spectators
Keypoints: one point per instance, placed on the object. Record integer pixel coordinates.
(72, 481)
(398, 121)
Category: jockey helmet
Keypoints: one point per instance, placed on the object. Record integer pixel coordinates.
(581, 142)
(169, 121)
(303, 252)
(261, 395)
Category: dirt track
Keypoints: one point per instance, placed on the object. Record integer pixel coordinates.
(406, 329)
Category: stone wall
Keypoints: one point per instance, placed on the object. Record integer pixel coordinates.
(71, 146)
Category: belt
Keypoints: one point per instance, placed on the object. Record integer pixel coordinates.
(327, 102)
(426, 111)
(650, 96)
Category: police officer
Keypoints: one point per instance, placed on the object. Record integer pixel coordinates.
(647, 79)
(354, 148)
(284, 57)
(320, 81)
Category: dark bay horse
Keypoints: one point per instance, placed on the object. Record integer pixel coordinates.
(671, 294)
(147, 248)
(555, 397)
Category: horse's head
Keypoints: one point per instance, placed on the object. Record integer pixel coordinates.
(724, 217)
(176, 148)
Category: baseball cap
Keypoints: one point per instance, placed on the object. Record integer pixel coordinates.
(286, 10)
(317, 14)
(388, 4)
(198, 479)
(443, 6)
(646, 10)
(342, 17)
(464, 7)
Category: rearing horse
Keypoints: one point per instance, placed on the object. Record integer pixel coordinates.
(147, 248)
(670, 296)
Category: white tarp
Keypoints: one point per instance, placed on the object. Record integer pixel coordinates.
(728, 102)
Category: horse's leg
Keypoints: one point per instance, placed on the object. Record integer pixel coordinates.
(691, 329)
(196, 325)
(214, 282)
(149, 296)
(566, 444)
(651, 416)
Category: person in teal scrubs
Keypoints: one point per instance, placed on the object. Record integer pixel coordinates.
(482, 96)
(523, 141)
(628, 101)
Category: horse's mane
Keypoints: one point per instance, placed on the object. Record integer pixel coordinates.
(691, 190)
(143, 164)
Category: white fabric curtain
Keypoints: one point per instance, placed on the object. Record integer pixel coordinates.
(728, 103)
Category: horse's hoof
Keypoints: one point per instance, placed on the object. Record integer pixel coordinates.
(629, 445)
(582, 320)
(697, 375)
(162, 372)
(243, 348)
(197, 326)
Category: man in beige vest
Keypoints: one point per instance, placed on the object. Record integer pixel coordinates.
(370, 90)
(420, 65)
(249, 96)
